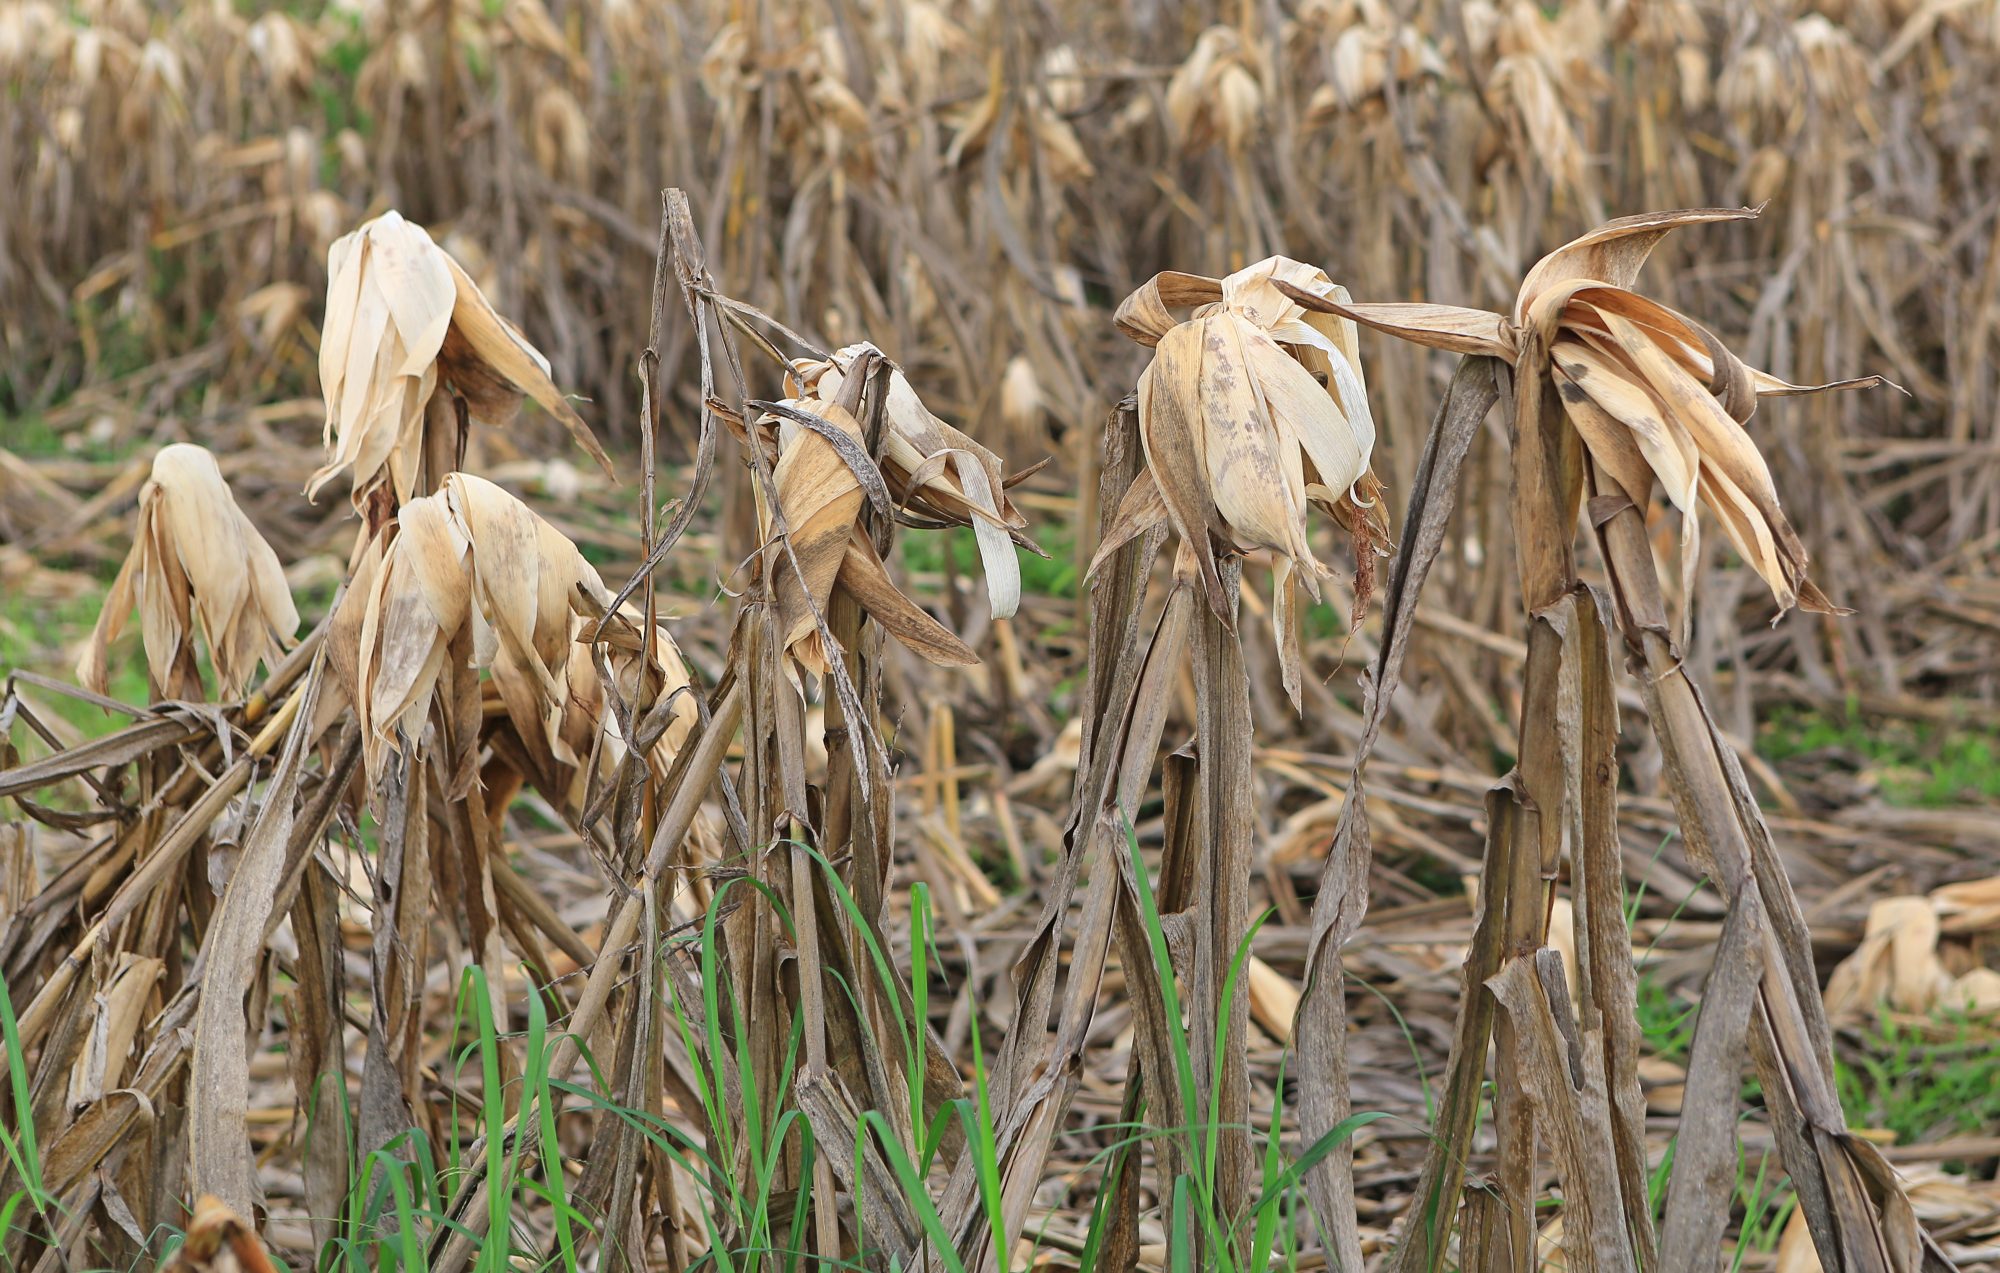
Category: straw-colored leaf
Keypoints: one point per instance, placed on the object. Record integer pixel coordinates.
(220, 1241)
(388, 304)
(1896, 963)
(404, 320)
(1620, 360)
(197, 563)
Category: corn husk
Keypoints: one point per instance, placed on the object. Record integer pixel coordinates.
(1652, 393)
(1252, 409)
(196, 562)
(219, 1241)
(471, 578)
(1896, 963)
(1217, 94)
(821, 498)
(935, 471)
(575, 736)
(404, 321)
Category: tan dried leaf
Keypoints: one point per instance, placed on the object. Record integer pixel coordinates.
(197, 561)
(821, 498)
(402, 320)
(472, 578)
(1896, 962)
(1647, 389)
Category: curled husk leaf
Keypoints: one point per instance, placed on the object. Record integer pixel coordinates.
(1653, 394)
(1252, 408)
(471, 578)
(933, 470)
(403, 322)
(196, 562)
(220, 1241)
(821, 497)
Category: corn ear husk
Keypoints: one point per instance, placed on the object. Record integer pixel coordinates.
(1253, 408)
(935, 471)
(821, 498)
(1652, 393)
(404, 320)
(196, 561)
(219, 1241)
(471, 578)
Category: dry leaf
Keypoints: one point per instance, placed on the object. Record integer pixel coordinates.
(473, 578)
(402, 321)
(196, 562)
(821, 496)
(1896, 962)
(1651, 392)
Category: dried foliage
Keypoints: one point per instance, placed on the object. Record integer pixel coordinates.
(403, 320)
(197, 563)
(596, 885)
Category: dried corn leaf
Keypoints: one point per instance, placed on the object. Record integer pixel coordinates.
(821, 497)
(1896, 962)
(1620, 361)
(100, 1063)
(403, 319)
(1216, 94)
(220, 1241)
(196, 562)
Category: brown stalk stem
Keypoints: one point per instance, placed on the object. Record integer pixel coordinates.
(165, 858)
(1228, 792)
(1724, 834)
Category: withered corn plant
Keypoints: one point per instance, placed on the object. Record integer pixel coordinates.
(743, 1012)
(1612, 392)
(1252, 410)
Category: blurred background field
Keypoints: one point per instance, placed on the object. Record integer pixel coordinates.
(974, 185)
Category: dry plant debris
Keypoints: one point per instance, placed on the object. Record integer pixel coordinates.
(627, 769)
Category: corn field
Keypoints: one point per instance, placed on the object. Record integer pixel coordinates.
(932, 634)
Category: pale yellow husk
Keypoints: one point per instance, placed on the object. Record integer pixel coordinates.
(197, 563)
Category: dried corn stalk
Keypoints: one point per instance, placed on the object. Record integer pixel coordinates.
(403, 321)
(196, 561)
(1652, 393)
(1251, 410)
(1612, 391)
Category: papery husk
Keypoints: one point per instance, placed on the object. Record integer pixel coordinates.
(402, 320)
(935, 471)
(196, 561)
(469, 578)
(1252, 408)
(219, 1241)
(1652, 393)
(821, 499)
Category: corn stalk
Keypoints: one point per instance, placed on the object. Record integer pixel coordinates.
(1606, 399)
